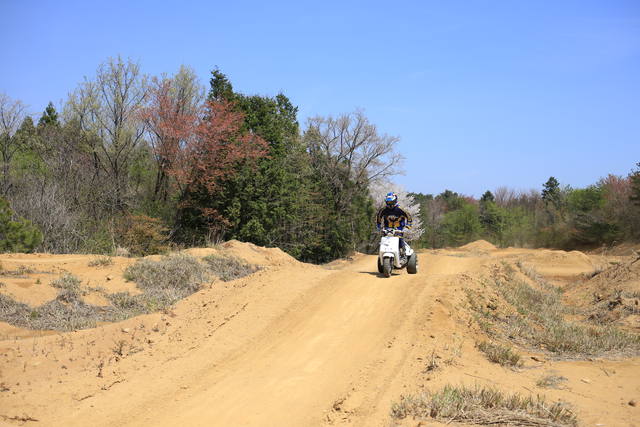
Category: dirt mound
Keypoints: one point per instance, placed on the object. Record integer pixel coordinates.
(612, 294)
(561, 267)
(479, 245)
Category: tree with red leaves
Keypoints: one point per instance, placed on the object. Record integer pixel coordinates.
(208, 158)
(172, 116)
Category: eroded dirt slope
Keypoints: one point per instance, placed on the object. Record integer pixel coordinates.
(292, 345)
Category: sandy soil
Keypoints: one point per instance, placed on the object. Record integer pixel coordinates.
(292, 345)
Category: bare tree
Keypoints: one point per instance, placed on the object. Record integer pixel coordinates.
(348, 152)
(12, 113)
(108, 108)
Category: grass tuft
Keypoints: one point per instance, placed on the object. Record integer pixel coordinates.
(483, 406)
(101, 261)
(500, 354)
(69, 288)
(550, 381)
(228, 268)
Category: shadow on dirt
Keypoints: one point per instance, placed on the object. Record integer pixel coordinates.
(372, 273)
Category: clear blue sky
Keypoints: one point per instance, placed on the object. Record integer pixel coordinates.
(481, 93)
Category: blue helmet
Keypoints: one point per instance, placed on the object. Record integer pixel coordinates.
(391, 200)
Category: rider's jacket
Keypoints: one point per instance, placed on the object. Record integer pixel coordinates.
(394, 217)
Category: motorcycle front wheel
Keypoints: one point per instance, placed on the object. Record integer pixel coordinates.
(380, 270)
(386, 267)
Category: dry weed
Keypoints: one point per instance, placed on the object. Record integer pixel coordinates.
(500, 354)
(228, 268)
(550, 381)
(101, 261)
(538, 319)
(483, 406)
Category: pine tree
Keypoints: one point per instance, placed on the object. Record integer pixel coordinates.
(551, 192)
(49, 117)
(16, 235)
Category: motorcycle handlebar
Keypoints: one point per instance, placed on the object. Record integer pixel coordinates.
(392, 231)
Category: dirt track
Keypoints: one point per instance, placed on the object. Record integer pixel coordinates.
(292, 345)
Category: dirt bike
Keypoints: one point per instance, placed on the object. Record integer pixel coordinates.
(390, 257)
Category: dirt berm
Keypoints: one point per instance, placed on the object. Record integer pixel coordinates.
(290, 345)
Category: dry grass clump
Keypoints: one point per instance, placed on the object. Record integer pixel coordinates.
(162, 282)
(540, 321)
(101, 261)
(69, 288)
(500, 354)
(538, 316)
(550, 381)
(177, 272)
(66, 312)
(228, 268)
(483, 406)
(21, 271)
(533, 274)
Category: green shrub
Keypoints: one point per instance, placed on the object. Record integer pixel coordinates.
(17, 235)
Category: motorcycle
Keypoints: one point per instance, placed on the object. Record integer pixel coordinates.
(389, 256)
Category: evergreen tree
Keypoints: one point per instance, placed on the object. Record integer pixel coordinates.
(16, 235)
(267, 206)
(49, 117)
(551, 192)
(487, 197)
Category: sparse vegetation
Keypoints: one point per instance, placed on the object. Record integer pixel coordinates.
(20, 271)
(69, 288)
(101, 261)
(483, 406)
(550, 381)
(163, 282)
(228, 268)
(539, 320)
(500, 354)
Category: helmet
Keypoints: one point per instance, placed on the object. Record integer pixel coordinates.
(391, 200)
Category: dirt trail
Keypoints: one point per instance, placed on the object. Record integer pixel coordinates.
(291, 345)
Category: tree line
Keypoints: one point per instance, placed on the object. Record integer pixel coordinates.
(140, 164)
(136, 163)
(556, 216)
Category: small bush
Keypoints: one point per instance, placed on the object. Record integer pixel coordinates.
(483, 406)
(62, 314)
(127, 305)
(166, 281)
(143, 235)
(179, 271)
(228, 268)
(16, 234)
(69, 288)
(500, 354)
(101, 261)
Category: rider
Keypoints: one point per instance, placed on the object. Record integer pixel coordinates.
(393, 216)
